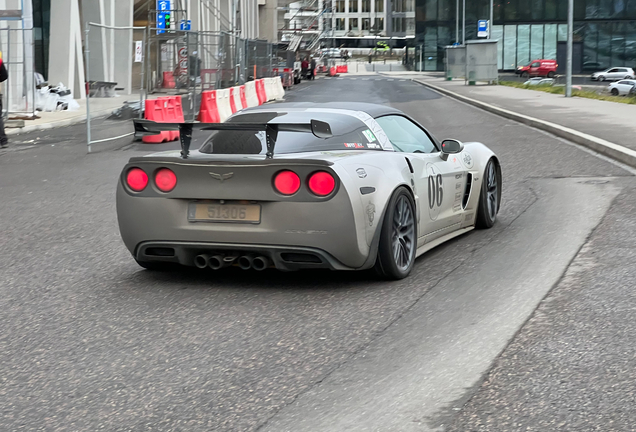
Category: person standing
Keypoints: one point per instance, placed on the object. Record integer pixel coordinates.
(312, 68)
(3, 77)
(304, 67)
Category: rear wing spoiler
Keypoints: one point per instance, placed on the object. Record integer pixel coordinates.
(318, 128)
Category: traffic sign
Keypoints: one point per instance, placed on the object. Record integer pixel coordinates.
(163, 17)
(482, 28)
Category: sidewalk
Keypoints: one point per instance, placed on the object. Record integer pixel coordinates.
(99, 107)
(607, 127)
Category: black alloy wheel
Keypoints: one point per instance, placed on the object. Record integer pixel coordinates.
(398, 238)
(490, 196)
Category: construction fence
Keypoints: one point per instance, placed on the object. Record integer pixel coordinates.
(18, 92)
(139, 63)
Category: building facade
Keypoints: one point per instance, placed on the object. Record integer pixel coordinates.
(604, 31)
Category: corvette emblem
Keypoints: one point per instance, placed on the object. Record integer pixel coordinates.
(221, 177)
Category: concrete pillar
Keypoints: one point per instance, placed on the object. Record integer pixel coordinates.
(66, 60)
(268, 20)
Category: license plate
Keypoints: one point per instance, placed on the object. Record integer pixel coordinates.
(226, 212)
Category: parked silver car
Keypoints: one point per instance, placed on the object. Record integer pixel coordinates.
(613, 74)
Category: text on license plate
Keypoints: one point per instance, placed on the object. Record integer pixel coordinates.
(211, 211)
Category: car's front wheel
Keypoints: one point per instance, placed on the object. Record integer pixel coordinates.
(490, 196)
(525, 74)
(601, 78)
(398, 238)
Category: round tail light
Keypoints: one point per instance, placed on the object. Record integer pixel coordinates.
(321, 183)
(137, 179)
(165, 180)
(287, 182)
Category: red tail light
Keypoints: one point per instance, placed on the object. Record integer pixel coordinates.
(287, 182)
(137, 179)
(321, 183)
(165, 180)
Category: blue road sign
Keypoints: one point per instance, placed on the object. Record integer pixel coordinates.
(482, 28)
(185, 24)
(163, 5)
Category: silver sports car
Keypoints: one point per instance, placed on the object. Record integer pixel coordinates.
(343, 186)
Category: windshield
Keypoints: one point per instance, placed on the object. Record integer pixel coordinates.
(349, 133)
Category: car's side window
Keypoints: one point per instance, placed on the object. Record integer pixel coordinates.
(612, 70)
(537, 64)
(405, 135)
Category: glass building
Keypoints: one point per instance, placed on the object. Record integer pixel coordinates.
(604, 31)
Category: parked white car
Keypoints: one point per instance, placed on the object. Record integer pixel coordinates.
(613, 74)
(539, 81)
(622, 87)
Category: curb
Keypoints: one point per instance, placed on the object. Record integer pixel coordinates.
(56, 124)
(604, 147)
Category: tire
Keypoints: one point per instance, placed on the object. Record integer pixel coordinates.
(158, 265)
(601, 78)
(550, 74)
(525, 74)
(614, 92)
(398, 238)
(490, 196)
(627, 77)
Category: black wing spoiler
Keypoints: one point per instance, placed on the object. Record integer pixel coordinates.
(318, 128)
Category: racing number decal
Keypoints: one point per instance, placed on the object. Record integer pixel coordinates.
(435, 191)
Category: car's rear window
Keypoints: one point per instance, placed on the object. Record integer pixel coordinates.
(348, 133)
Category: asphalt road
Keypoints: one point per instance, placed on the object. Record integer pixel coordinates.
(90, 341)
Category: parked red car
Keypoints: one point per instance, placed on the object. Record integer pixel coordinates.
(542, 67)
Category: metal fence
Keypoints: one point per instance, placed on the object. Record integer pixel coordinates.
(19, 90)
(142, 62)
(114, 63)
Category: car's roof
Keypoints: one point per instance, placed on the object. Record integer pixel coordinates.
(374, 110)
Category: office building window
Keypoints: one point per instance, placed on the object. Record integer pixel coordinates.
(366, 5)
(340, 23)
(379, 5)
(340, 6)
(379, 24)
(353, 5)
(397, 25)
(410, 25)
(366, 24)
(353, 23)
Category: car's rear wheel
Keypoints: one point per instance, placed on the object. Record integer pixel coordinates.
(490, 196)
(550, 74)
(398, 238)
(627, 77)
(614, 92)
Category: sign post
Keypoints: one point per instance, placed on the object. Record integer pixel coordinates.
(483, 28)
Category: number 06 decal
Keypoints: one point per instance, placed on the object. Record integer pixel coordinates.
(435, 191)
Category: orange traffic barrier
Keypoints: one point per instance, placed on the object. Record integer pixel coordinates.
(243, 98)
(260, 91)
(209, 112)
(342, 69)
(233, 91)
(173, 113)
(168, 80)
(155, 111)
(332, 71)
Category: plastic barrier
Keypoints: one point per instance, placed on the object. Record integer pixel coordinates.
(172, 113)
(342, 69)
(250, 94)
(209, 112)
(332, 71)
(280, 93)
(234, 91)
(168, 80)
(155, 111)
(243, 98)
(223, 104)
(260, 91)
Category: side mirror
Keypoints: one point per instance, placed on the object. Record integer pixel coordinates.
(451, 146)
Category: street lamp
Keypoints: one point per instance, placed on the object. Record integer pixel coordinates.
(568, 65)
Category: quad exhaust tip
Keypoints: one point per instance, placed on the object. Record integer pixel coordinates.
(245, 262)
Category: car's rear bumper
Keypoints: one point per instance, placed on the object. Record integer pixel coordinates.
(331, 230)
(287, 258)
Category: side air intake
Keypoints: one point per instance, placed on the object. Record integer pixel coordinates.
(469, 187)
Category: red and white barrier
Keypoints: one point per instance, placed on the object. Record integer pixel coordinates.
(209, 112)
(223, 102)
(250, 94)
